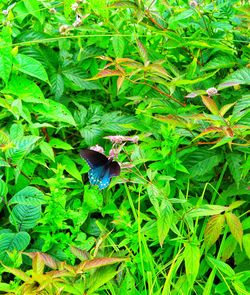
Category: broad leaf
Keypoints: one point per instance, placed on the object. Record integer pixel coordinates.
(235, 227)
(213, 230)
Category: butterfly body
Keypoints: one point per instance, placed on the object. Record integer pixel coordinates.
(102, 168)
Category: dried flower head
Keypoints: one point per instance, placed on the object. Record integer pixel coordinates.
(52, 10)
(74, 6)
(212, 91)
(120, 138)
(97, 148)
(64, 29)
(193, 3)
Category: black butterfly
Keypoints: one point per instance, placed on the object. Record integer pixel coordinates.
(102, 168)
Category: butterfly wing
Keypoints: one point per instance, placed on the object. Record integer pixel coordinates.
(114, 169)
(102, 168)
(93, 158)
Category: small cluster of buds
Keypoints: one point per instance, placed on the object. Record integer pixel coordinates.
(120, 139)
(212, 91)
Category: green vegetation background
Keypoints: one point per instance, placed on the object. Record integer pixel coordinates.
(173, 78)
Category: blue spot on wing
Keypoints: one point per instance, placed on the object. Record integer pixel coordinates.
(99, 176)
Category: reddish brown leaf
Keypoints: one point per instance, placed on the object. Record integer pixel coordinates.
(47, 259)
(120, 81)
(142, 51)
(79, 253)
(235, 227)
(229, 132)
(213, 230)
(105, 73)
(98, 262)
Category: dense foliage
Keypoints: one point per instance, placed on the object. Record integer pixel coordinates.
(171, 78)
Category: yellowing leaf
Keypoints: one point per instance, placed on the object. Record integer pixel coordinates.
(235, 227)
(213, 230)
(210, 104)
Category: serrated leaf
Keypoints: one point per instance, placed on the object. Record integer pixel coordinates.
(59, 144)
(55, 112)
(28, 196)
(164, 220)
(219, 62)
(235, 227)
(25, 216)
(46, 258)
(31, 67)
(47, 150)
(213, 230)
(192, 261)
(142, 51)
(23, 146)
(24, 89)
(99, 262)
(241, 76)
(118, 45)
(234, 163)
(57, 84)
(12, 241)
(202, 161)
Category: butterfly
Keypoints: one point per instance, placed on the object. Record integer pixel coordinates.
(102, 168)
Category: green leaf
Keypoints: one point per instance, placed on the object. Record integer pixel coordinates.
(192, 261)
(28, 196)
(55, 112)
(213, 230)
(59, 144)
(57, 84)
(220, 265)
(92, 198)
(118, 45)
(206, 210)
(23, 146)
(5, 53)
(70, 167)
(202, 161)
(235, 227)
(228, 248)
(246, 244)
(33, 8)
(235, 163)
(219, 62)
(31, 67)
(25, 216)
(164, 220)
(47, 150)
(24, 89)
(241, 76)
(3, 188)
(12, 241)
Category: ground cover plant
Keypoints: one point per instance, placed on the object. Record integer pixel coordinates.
(163, 88)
